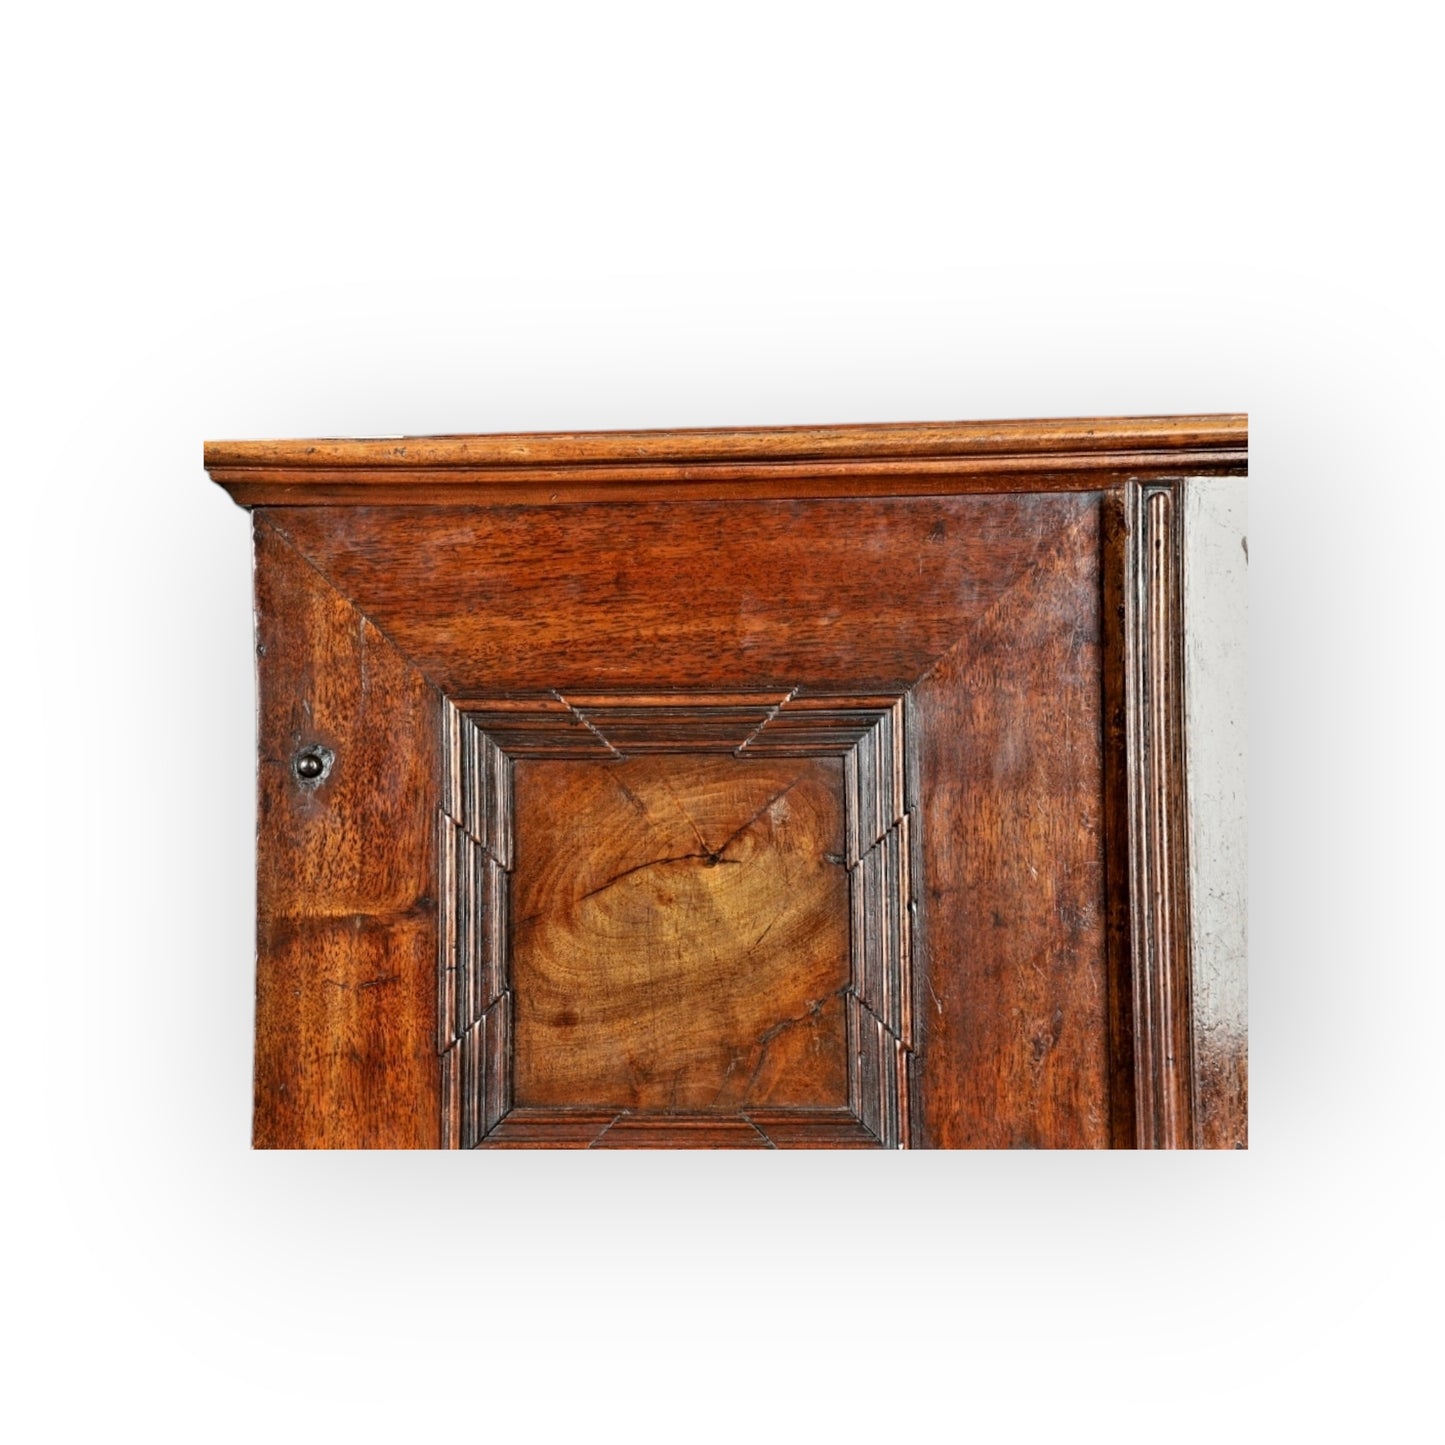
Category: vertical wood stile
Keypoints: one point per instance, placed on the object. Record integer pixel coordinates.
(1158, 866)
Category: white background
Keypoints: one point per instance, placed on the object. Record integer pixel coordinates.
(292, 220)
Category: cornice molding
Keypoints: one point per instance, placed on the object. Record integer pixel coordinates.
(923, 458)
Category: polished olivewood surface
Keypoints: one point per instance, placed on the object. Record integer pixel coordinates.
(646, 816)
(680, 933)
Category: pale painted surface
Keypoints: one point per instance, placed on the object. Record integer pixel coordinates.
(1216, 562)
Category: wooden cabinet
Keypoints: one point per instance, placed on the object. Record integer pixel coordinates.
(790, 788)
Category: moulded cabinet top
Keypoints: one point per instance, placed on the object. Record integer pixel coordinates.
(888, 459)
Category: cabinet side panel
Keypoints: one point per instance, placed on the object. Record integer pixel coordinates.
(1012, 991)
(346, 930)
(1216, 561)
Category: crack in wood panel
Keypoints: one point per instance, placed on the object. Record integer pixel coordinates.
(688, 905)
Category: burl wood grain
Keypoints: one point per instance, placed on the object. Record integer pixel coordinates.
(346, 940)
(680, 934)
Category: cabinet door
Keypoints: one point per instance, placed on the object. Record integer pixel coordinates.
(654, 818)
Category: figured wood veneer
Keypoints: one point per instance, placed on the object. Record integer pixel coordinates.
(680, 937)
(799, 788)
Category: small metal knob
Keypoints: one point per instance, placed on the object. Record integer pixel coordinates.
(312, 763)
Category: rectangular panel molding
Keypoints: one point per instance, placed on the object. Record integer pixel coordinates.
(798, 788)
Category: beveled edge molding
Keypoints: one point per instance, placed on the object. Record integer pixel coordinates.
(1158, 865)
(917, 459)
(474, 998)
(631, 724)
(480, 739)
(881, 811)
